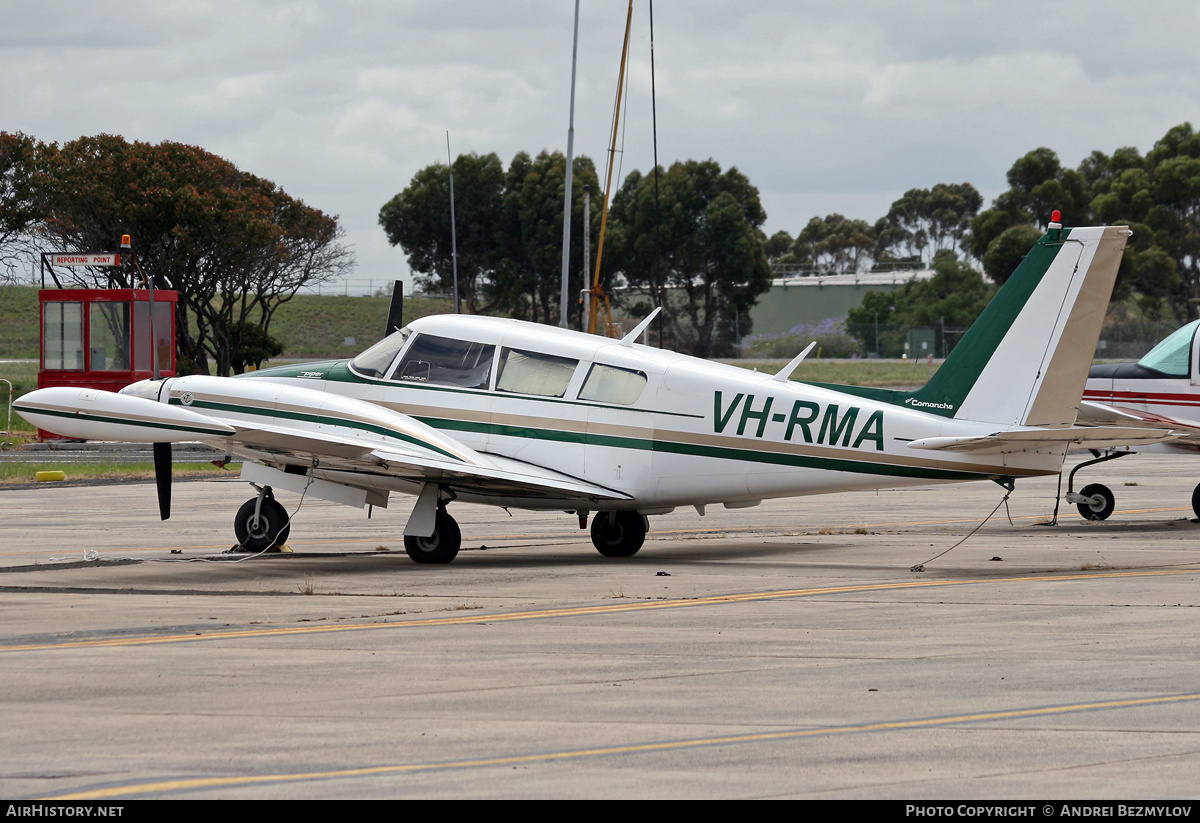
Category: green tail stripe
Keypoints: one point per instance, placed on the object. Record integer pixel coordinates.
(950, 384)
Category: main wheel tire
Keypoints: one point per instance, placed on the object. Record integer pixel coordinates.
(1196, 500)
(1100, 510)
(618, 534)
(268, 531)
(440, 547)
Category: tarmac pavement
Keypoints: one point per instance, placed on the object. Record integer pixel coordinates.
(782, 651)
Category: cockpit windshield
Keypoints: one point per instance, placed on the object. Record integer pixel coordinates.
(374, 361)
(446, 362)
(1173, 356)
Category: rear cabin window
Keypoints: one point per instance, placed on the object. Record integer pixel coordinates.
(609, 384)
(374, 361)
(443, 361)
(1173, 356)
(527, 372)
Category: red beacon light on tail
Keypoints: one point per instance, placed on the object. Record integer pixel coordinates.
(1054, 227)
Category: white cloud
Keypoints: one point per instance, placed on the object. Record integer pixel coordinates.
(826, 106)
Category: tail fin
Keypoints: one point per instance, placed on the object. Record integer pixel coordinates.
(1025, 360)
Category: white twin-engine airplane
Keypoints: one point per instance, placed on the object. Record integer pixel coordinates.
(514, 414)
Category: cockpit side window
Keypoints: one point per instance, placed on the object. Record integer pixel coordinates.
(444, 361)
(609, 384)
(527, 372)
(1173, 356)
(374, 361)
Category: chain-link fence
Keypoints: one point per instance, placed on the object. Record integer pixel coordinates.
(838, 338)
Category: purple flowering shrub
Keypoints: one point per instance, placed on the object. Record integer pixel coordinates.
(832, 341)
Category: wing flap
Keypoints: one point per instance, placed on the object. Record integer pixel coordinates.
(507, 475)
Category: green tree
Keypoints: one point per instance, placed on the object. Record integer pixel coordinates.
(951, 299)
(833, 244)
(233, 245)
(1158, 197)
(1008, 250)
(418, 220)
(19, 207)
(701, 239)
(249, 345)
(528, 280)
(1038, 184)
(777, 246)
(1174, 170)
(925, 222)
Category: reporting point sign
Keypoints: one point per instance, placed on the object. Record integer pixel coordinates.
(85, 259)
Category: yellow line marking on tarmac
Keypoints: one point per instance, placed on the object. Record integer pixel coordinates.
(576, 611)
(634, 748)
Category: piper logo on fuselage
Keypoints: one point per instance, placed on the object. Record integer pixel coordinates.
(835, 424)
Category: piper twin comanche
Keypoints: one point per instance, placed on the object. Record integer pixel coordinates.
(513, 414)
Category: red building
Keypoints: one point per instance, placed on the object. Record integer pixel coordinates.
(103, 338)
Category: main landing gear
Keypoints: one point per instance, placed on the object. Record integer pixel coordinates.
(440, 547)
(262, 523)
(620, 533)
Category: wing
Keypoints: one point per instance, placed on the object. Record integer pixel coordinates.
(1186, 432)
(303, 432)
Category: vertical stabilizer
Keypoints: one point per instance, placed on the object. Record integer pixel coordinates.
(1024, 362)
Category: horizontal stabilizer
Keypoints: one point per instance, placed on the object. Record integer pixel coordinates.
(1024, 440)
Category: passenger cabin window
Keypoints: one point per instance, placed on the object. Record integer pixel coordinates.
(443, 361)
(1173, 356)
(609, 384)
(527, 372)
(374, 362)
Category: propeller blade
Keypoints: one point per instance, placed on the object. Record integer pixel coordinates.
(162, 478)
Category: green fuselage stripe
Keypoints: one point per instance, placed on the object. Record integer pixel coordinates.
(101, 418)
(720, 452)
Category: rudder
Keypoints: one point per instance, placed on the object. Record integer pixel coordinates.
(1025, 359)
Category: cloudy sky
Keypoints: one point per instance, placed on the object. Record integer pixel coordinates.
(826, 105)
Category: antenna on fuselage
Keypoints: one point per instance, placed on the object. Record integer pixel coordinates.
(786, 372)
(628, 339)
